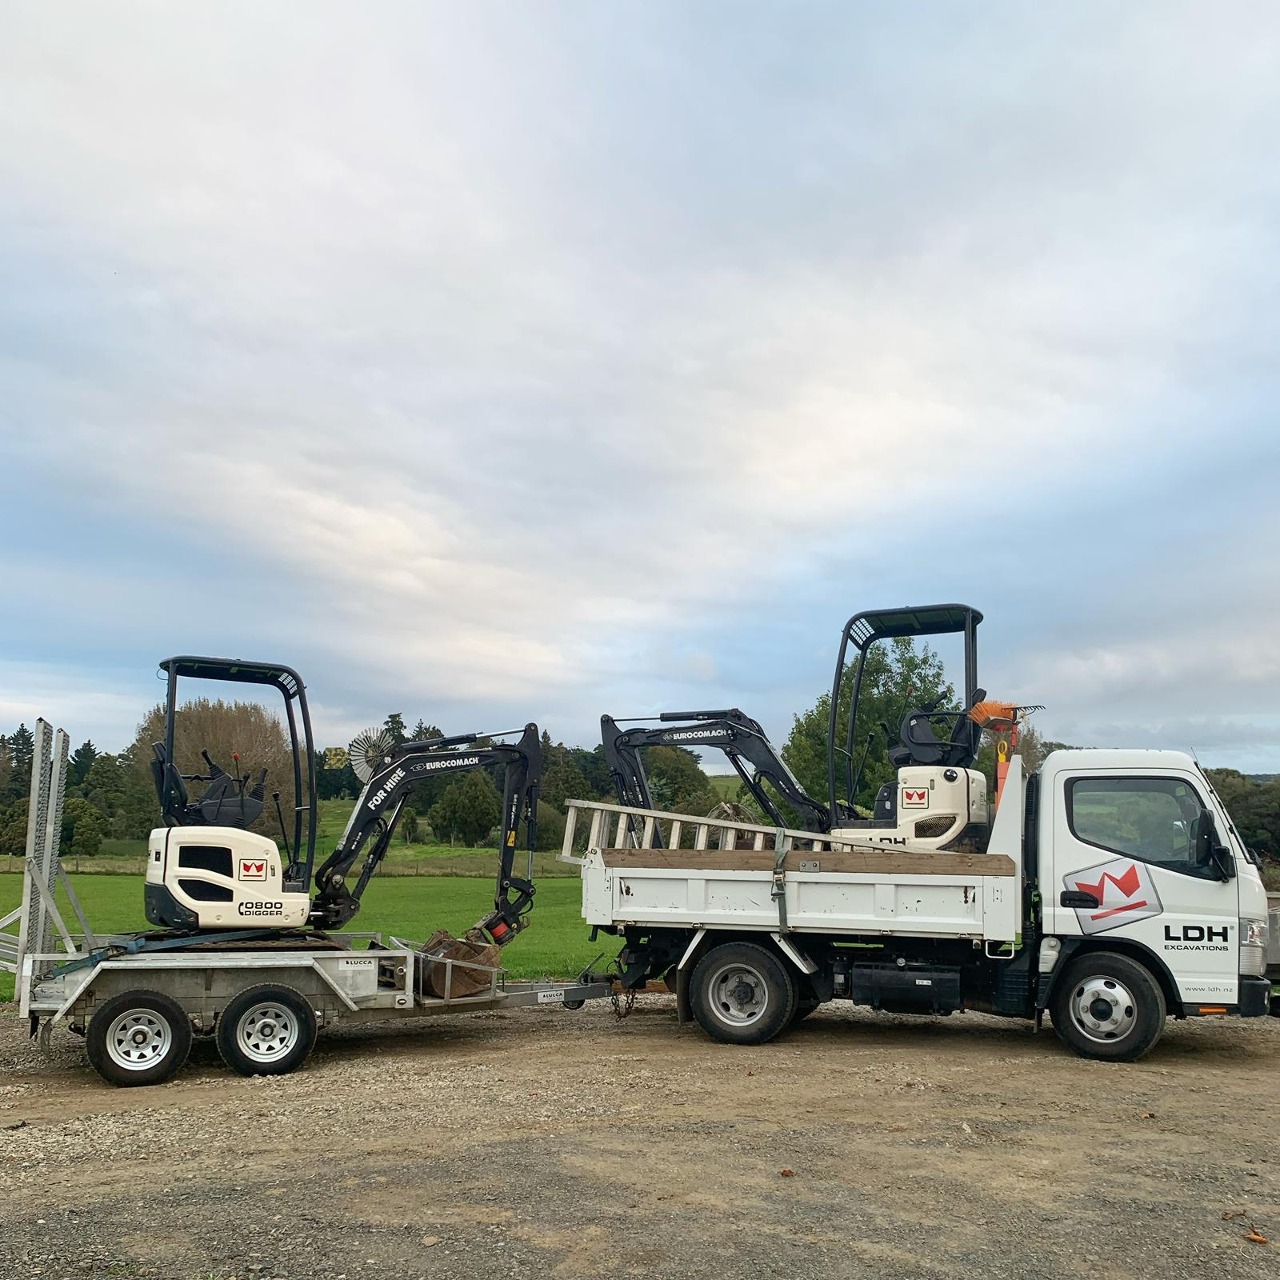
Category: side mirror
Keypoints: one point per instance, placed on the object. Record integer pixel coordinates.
(1210, 851)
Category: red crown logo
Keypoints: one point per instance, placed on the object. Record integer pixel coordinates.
(1128, 882)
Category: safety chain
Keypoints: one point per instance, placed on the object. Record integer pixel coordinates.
(622, 1005)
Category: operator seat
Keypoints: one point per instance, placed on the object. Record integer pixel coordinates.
(920, 744)
(221, 805)
(171, 790)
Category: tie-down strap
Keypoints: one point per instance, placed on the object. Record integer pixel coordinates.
(779, 890)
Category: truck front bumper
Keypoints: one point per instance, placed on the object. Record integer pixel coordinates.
(1255, 997)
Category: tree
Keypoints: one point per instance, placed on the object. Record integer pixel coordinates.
(394, 725)
(899, 676)
(225, 730)
(408, 826)
(551, 825)
(676, 781)
(424, 732)
(13, 829)
(81, 761)
(335, 778)
(81, 829)
(22, 750)
(563, 782)
(1254, 808)
(468, 810)
(139, 805)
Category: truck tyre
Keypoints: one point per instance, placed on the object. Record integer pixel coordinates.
(138, 1037)
(742, 994)
(1108, 1006)
(266, 1031)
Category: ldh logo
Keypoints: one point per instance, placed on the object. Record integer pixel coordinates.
(915, 797)
(253, 869)
(1124, 890)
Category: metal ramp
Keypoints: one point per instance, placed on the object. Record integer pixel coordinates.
(39, 916)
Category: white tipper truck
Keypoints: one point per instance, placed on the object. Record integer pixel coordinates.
(1111, 890)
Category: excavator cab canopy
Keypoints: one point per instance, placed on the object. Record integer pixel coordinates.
(234, 799)
(860, 633)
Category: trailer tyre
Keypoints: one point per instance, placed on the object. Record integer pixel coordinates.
(138, 1037)
(742, 994)
(1108, 1006)
(266, 1031)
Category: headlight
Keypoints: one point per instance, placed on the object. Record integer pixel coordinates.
(1253, 933)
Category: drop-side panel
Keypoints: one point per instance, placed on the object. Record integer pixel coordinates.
(932, 905)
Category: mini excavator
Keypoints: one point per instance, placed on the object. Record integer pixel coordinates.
(937, 801)
(207, 873)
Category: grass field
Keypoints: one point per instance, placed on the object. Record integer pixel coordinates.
(724, 786)
(554, 944)
(123, 857)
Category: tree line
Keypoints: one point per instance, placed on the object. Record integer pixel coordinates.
(112, 796)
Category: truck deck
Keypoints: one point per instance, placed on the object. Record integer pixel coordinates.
(753, 877)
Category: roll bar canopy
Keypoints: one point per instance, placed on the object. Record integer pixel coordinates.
(298, 716)
(862, 631)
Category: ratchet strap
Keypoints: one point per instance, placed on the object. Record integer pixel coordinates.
(779, 890)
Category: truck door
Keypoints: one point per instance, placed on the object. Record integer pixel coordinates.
(1129, 845)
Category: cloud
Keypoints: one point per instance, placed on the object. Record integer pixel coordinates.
(503, 366)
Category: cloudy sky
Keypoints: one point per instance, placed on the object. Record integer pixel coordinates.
(496, 362)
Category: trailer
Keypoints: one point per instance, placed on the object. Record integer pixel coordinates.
(140, 999)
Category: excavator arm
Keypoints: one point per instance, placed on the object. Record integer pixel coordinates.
(381, 804)
(741, 739)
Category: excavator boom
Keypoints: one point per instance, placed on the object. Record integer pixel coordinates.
(741, 739)
(382, 802)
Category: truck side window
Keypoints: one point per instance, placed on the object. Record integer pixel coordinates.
(1151, 819)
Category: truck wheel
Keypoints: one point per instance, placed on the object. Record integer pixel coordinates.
(742, 994)
(266, 1031)
(138, 1037)
(1108, 1006)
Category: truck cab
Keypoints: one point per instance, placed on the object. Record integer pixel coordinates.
(1144, 861)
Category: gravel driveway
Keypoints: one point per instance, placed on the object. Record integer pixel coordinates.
(550, 1143)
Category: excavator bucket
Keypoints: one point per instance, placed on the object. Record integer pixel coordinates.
(462, 966)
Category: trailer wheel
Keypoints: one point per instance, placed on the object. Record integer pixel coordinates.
(138, 1037)
(742, 994)
(266, 1031)
(1108, 1006)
